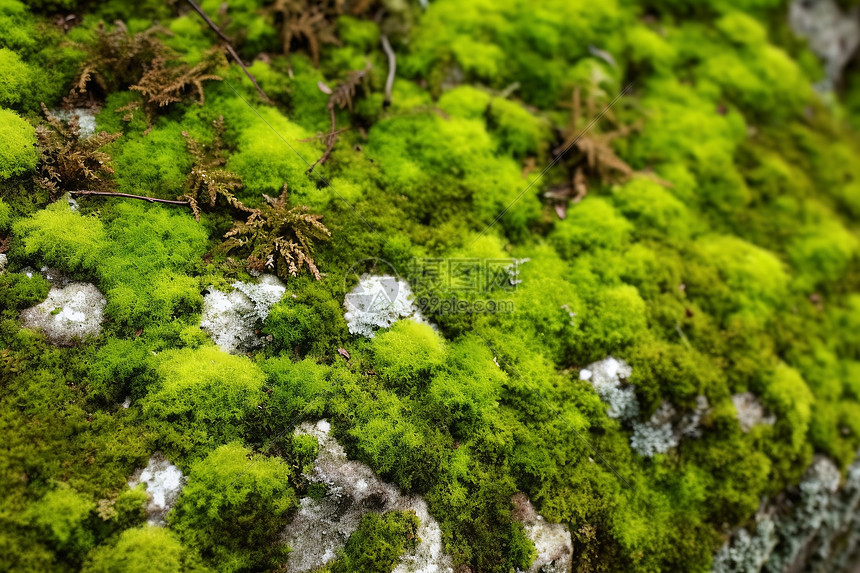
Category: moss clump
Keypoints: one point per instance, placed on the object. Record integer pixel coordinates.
(233, 507)
(204, 393)
(378, 543)
(14, 77)
(18, 154)
(140, 550)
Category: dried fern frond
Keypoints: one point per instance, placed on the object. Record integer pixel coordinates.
(168, 81)
(279, 237)
(589, 154)
(308, 23)
(341, 96)
(117, 59)
(208, 179)
(67, 161)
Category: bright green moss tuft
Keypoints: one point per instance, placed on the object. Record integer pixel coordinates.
(590, 225)
(18, 152)
(62, 516)
(408, 351)
(14, 77)
(234, 506)
(63, 238)
(653, 209)
(755, 279)
(205, 392)
(18, 291)
(520, 133)
(144, 549)
(379, 542)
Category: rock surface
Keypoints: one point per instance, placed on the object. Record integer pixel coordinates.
(163, 483)
(378, 301)
(552, 541)
(322, 526)
(813, 527)
(233, 319)
(665, 428)
(72, 311)
(833, 35)
(750, 411)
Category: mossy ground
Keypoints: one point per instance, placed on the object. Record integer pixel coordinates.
(728, 264)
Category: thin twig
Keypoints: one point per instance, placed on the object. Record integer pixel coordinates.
(392, 67)
(127, 196)
(330, 138)
(229, 45)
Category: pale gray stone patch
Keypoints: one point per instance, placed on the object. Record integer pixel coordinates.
(552, 541)
(322, 527)
(750, 411)
(378, 301)
(814, 526)
(665, 428)
(833, 35)
(233, 319)
(70, 312)
(86, 119)
(163, 482)
(608, 377)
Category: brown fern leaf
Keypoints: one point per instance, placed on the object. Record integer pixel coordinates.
(117, 59)
(169, 81)
(308, 24)
(67, 161)
(208, 179)
(589, 154)
(341, 97)
(279, 237)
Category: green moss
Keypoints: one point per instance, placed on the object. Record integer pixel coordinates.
(755, 280)
(62, 515)
(18, 154)
(14, 77)
(233, 508)
(590, 225)
(378, 543)
(408, 351)
(62, 238)
(204, 393)
(20, 291)
(140, 550)
(654, 211)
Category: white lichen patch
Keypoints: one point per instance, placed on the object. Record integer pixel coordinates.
(833, 35)
(70, 312)
(86, 119)
(607, 377)
(553, 542)
(378, 301)
(233, 319)
(814, 526)
(665, 428)
(4, 260)
(750, 411)
(163, 483)
(322, 526)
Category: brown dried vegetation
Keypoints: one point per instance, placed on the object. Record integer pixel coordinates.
(279, 237)
(69, 162)
(208, 179)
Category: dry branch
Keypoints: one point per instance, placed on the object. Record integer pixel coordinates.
(229, 45)
(128, 196)
(392, 67)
